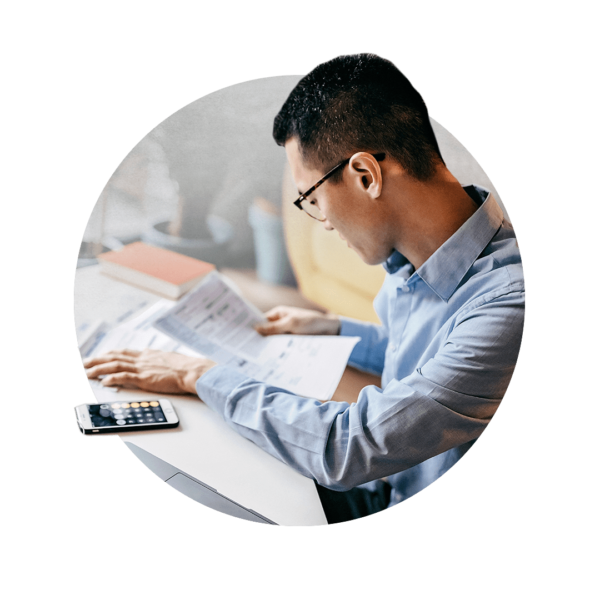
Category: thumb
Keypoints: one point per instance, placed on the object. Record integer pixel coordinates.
(274, 326)
(274, 314)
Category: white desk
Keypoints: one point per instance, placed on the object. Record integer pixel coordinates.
(202, 446)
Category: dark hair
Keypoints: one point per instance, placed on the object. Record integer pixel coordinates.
(357, 103)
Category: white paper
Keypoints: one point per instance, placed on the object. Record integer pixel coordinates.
(135, 334)
(215, 321)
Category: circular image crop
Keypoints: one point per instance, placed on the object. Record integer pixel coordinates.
(299, 300)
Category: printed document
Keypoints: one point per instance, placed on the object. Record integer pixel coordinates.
(214, 321)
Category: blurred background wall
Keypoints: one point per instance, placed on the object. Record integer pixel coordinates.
(189, 184)
(193, 178)
(530, 119)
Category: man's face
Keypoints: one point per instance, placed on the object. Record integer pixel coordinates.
(345, 207)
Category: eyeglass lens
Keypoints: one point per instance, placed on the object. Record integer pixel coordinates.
(312, 210)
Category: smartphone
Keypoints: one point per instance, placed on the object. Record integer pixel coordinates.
(121, 416)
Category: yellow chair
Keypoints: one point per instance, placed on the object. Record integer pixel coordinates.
(327, 271)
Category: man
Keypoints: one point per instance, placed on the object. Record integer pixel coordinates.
(359, 142)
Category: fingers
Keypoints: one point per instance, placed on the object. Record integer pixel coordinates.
(115, 366)
(129, 352)
(276, 313)
(277, 321)
(285, 321)
(122, 355)
(283, 325)
(151, 382)
(107, 358)
(269, 328)
(123, 379)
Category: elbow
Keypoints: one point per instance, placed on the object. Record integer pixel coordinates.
(336, 485)
(342, 480)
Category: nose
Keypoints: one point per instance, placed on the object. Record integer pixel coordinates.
(328, 226)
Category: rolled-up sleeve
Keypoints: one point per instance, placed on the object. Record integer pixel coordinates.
(445, 403)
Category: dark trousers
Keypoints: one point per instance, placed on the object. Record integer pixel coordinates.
(358, 502)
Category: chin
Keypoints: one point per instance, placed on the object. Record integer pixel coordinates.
(373, 260)
(369, 260)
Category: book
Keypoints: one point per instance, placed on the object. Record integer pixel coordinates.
(164, 272)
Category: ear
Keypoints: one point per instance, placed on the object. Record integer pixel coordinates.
(366, 173)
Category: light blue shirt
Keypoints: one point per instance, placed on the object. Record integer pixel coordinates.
(446, 350)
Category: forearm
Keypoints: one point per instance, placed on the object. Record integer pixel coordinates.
(337, 444)
(444, 403)
(369, 353)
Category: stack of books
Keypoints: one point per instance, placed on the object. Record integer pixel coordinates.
(166, 273)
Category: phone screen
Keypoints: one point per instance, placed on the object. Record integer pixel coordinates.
(118, 414)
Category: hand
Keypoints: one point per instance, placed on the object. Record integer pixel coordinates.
(288, 319)
(150, 370)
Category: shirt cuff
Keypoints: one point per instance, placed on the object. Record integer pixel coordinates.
(215, 386)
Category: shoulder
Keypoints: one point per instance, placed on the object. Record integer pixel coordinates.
(496, 276)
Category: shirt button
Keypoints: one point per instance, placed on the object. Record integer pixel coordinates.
(393, 348)
(405, 288)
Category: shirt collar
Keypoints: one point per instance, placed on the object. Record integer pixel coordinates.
(447, 266)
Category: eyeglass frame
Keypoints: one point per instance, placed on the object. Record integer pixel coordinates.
(378, 157)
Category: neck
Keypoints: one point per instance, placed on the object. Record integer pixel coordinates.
(429, 213)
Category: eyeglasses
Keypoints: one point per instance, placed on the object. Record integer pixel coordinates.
(310, 208)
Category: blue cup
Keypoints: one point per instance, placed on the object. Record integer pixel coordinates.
(272, 262)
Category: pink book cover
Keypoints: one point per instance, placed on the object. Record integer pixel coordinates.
(163, 264)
